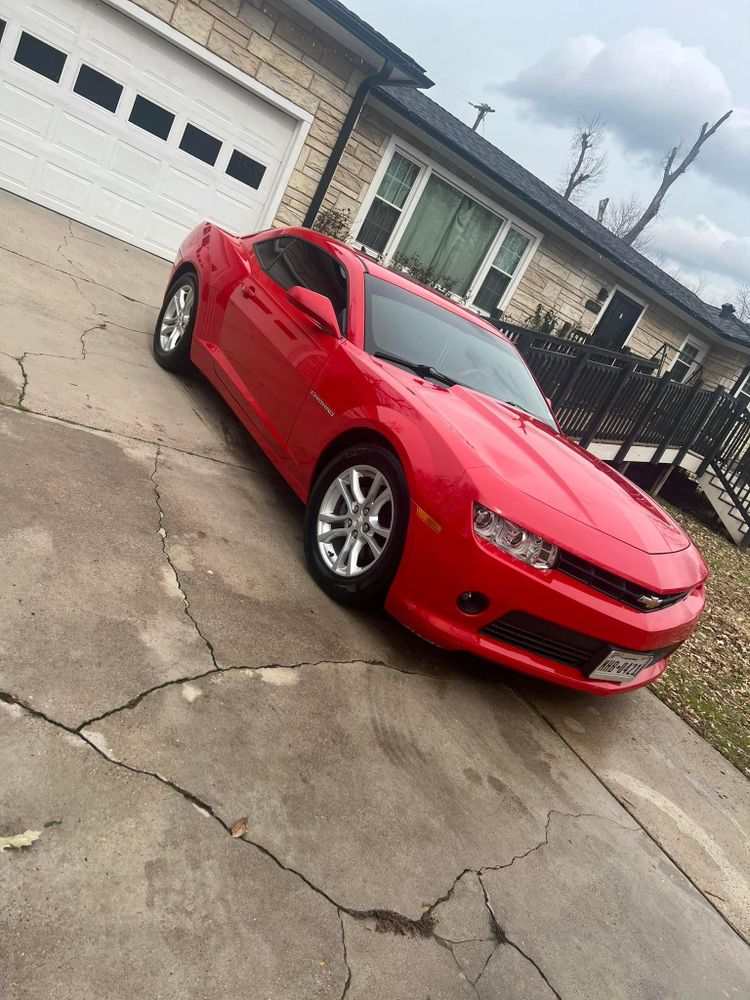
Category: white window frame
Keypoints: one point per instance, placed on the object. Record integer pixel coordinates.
(697, 360)
(428, 167)
(605, 305)
(743, 390)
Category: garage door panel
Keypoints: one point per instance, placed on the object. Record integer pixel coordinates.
(26, 111)
(65, 188)
(114, 209)
(16, 166)
(135, 165)
(163, 233)
(182, 190)
(79, 137)
(81, 154)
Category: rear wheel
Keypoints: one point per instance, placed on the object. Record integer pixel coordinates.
(355, 524)
(174, 326)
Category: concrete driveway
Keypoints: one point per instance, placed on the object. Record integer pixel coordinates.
(243, 789)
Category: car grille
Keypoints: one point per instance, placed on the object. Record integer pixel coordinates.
(613, 586)
(553, 642)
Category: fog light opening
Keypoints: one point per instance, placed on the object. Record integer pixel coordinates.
(472, 602)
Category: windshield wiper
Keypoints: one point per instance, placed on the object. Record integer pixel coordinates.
(418, 369)
(517, 406)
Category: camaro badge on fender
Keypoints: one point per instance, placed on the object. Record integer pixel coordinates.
(325, 406)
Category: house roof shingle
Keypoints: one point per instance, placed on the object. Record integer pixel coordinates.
(454, 134)
(374, 39)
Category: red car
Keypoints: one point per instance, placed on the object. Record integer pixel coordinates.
(434, 474)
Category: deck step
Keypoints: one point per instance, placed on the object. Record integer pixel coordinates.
(724, 506)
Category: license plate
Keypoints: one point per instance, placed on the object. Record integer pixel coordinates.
(621, 666)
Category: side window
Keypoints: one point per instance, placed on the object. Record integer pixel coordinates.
(269, 251)
(298, 262)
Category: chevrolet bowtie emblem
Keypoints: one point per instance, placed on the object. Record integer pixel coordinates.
(650, 601)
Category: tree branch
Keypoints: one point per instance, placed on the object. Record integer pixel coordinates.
(670, 176)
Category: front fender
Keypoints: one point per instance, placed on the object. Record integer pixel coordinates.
(347, 401)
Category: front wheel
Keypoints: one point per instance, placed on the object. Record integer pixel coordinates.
(355, 524)
(174, 326)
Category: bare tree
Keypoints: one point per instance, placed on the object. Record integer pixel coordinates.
(670, 175)
(621, 215)
(587, 161)
(741, 302)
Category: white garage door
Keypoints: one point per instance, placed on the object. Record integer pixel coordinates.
(105, 121)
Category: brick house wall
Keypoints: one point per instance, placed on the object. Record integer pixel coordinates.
(276, 46)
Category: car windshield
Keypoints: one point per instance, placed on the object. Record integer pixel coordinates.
(422, 334)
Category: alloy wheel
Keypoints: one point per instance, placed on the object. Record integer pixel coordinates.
(176, 317)
(355, 520)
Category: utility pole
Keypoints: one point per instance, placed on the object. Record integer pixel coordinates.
(602, 210)
(482, 111)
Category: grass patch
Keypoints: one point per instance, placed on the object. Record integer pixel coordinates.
(707, 681)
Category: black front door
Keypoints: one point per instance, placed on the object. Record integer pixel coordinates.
(619, 318)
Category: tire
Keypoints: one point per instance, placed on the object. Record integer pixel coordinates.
(175, 355)
(362, 578)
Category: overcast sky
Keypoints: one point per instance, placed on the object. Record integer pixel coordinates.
(654, 70)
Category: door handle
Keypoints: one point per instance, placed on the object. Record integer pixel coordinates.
(248, 289)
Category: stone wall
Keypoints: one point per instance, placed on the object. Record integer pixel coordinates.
(724, 365)
(282, 50)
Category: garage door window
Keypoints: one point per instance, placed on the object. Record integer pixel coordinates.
(200, 144)
(151, 118)
(2, 28)
(44, 59)
(245, 169)
(97, 88)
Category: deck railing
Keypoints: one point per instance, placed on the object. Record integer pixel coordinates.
(620, 398)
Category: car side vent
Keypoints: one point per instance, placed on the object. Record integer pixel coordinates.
(615, 586)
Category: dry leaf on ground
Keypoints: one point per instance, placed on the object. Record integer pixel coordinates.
(240, 827)
(25, 839)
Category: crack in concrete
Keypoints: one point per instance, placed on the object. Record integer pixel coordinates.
(163, 534)
(73, 277)
(623, 802)
(500, 932)
(239, 668)
(25, 375)
(348, 968)
(65, 244)
(386, 921)
(129, 437)
(99, 326)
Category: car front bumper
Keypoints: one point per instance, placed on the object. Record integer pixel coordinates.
(438, 566)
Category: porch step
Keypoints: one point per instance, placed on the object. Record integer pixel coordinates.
(722, 503)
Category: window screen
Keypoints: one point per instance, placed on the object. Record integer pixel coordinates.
(38, 55)
(151, 118)
(98, 88)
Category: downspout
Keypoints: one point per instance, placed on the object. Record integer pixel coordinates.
(344, 135)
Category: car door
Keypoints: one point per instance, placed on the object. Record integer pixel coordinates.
(276, 350)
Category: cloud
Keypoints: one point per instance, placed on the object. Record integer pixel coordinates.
(652, 91)
(701, 246)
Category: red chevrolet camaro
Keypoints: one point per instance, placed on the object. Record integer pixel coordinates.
(434, 474)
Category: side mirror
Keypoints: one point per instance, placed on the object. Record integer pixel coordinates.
(317, 307)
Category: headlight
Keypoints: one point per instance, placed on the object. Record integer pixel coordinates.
(514, 540)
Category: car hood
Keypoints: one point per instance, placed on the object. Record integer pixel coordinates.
(544, 464)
